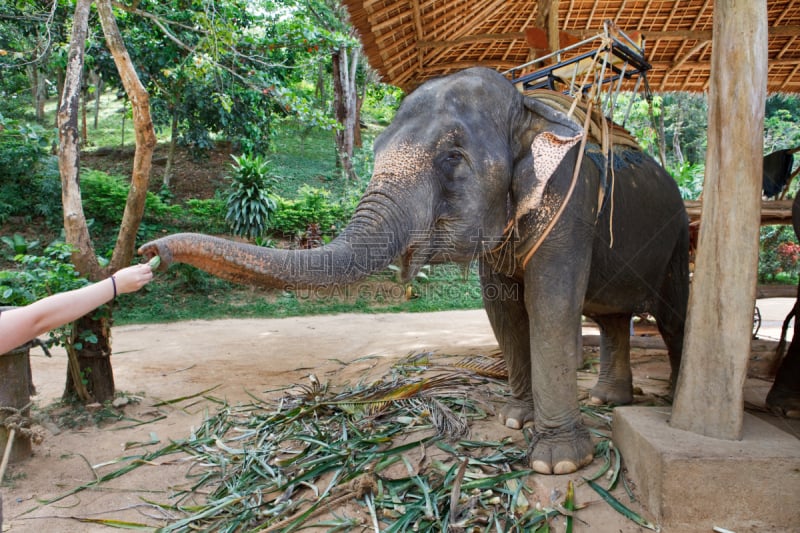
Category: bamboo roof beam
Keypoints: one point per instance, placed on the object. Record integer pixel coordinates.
(419, 30)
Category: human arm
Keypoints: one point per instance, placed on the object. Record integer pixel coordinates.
(20, 325)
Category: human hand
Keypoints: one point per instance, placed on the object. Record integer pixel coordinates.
(133, 278)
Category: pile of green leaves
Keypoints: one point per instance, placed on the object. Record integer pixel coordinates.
(299, 461)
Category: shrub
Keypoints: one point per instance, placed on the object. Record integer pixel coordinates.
(788, 254)
(689, 178)
(29, 175)
(779, 254)
(249, 203)
(208, 213)
(313, 207)
(22, 147)
(104, 198)
(40, 276)
(18, 244)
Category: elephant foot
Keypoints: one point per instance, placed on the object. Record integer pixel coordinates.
(611, 393)
(517, 414)
(561, 450)
(784, 402)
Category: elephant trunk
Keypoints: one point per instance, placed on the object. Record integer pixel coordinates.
(379, 231)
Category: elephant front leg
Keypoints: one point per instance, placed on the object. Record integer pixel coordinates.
(554, 293)
(615, 382)
(503, 301)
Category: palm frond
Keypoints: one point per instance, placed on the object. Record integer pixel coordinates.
(484, 366)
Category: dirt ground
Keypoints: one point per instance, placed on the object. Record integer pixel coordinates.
(242, 357)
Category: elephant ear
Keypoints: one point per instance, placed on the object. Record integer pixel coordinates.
(555, 135)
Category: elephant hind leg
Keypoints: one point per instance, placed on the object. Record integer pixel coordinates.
(783, 398)
(615, 382)
(670, 313)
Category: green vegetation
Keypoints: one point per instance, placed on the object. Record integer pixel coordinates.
(250, 205)
(37, 276)
(257, 77)
(308, 191)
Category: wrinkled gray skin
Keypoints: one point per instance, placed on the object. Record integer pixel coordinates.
(453, 168)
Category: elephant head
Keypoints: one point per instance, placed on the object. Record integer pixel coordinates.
(466, 157)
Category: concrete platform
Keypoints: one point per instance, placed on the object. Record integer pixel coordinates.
(690, 482)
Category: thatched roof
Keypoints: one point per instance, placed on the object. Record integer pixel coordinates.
(408, 42)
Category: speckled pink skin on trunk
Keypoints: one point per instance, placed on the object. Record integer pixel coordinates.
(472, 170)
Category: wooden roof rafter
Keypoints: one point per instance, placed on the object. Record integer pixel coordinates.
(409, 42)
(680, 57)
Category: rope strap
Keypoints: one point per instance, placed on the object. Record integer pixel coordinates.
(17, 420)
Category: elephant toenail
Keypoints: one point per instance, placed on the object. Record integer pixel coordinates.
(541, 467)
(565, 467)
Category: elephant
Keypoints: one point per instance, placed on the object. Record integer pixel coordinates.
(777, 172)
(470, 169)
(784, 396)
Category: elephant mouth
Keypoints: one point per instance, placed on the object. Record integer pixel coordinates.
(411, 262)
(435, 247)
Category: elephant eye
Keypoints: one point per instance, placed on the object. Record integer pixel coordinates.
(451, 159)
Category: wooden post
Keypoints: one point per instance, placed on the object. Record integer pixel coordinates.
(709, 397)
(15, 395)
(547, 19)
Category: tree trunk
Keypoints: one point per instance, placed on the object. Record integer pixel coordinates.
(76, 230)
(98, 91)
(89, 373)
(676, 139)
(345, 105)
(90, 364)
(547, 19)
(358, 142)
(99, 378)
(122, 127)
(60, 75)
(38, 91)
(84, 103)
(173, 142)
(144, 133)
(709, 398)
(319, 90)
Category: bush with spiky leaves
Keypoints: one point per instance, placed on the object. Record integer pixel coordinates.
(250, 205)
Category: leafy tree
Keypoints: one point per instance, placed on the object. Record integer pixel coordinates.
(227, 72)
(685, 126)
(31, 35)
(781, 128)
